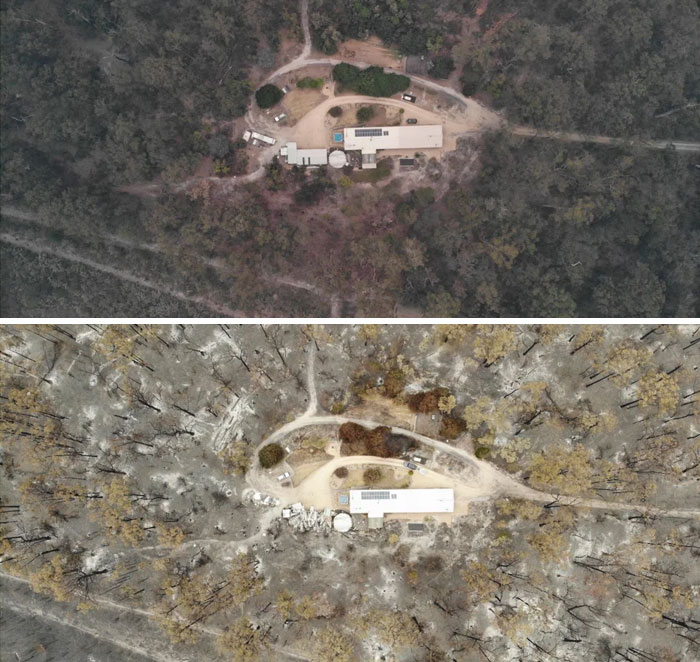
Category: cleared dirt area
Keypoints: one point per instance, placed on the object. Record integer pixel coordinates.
(314, 129)
(298, 103)
(380, 408)
(370, 51)
(383, 115)
(320, 489)
(395, 477)
(307, 469)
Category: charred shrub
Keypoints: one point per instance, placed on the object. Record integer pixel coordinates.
(270, 455)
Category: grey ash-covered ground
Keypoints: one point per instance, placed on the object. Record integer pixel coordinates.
(135, 523)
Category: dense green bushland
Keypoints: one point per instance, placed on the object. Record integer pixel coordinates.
(372, 81)
(413, 27)
(609, 66)
(561, 229)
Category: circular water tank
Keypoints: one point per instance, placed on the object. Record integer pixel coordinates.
(337, 159)
(342, 522)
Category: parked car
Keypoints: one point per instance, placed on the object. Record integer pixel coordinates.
(409, 97)
(285, 89)
(419, 459)
(410, 465)
(284, 476)
(411, 120)
(280, 117)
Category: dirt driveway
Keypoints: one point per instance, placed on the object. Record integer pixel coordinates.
(314, 129)
(315, 490)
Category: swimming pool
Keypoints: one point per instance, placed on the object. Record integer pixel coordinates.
(337, 137)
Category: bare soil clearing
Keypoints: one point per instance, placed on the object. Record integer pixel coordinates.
(380, 408)
(372, 51)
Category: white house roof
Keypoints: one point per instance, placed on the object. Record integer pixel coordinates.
(377, 502)
(370, 139)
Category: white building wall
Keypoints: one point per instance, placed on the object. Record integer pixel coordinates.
(428, 136)
(377, 502)
(304, 157)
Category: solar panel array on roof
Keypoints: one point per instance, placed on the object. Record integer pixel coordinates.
(376, 495)
(365, 133)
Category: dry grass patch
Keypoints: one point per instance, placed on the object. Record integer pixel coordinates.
(379, 408)
(302, 472)
(392, 477)
(371, 51)
(300, 102)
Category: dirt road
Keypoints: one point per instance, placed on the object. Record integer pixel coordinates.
(18, 598)
(487, 481)
(333, 300)
(150, 645)
(294, 64)
(568, 136)
(122, 274)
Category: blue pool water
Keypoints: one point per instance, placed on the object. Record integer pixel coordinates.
(337, 137)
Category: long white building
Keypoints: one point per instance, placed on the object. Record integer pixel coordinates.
(254, 135)
(376, 503)
(304, 157)
(370, 139)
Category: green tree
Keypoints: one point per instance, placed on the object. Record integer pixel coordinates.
(345, 74)
(441, 66)
(268, 95)
(219, 146)
(365, 114)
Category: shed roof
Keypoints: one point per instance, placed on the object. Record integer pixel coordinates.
(304, 157)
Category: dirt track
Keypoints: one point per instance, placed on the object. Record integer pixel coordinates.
(137, 641)
(43, 249)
